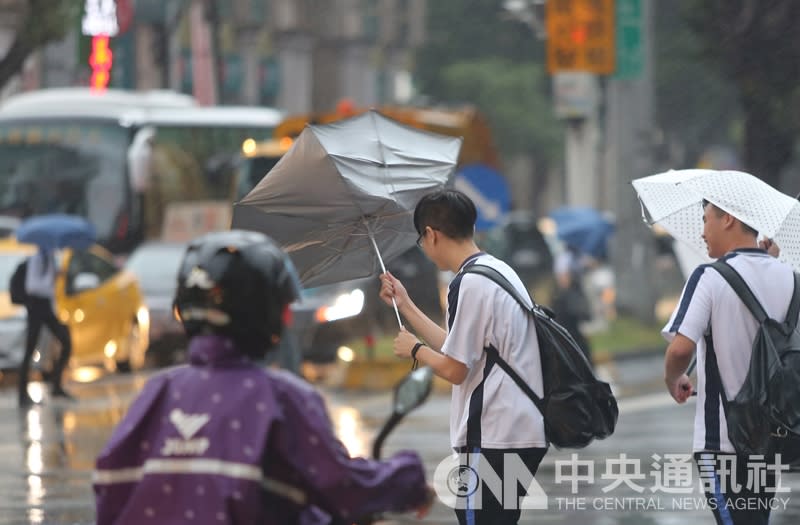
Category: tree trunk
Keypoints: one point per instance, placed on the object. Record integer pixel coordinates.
(15, 58)
(41, 21)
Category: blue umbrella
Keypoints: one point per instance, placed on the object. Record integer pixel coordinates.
(585, 229)
(57, 230)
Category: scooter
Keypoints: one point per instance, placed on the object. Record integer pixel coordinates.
(409, 393)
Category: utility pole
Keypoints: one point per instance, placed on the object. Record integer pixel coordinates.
(580, 47)
(629, 133)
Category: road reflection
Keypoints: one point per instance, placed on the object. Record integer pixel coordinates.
(350, 428)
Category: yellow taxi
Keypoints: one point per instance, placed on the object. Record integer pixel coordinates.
(102, 305)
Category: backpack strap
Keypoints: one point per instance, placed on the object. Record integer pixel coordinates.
(794, 306)
(492, 353)
(500, 280)
(742, 290)
(749, 299)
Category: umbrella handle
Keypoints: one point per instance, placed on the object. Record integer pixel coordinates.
(383, 268)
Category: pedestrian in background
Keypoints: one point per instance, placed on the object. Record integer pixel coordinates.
(40, 281)
(712, 321)
(490, 416)
(224, 440)
(570, 304)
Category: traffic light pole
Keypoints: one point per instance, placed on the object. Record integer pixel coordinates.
(582, 160)
(629, 155)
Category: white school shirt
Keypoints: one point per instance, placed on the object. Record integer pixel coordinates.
(710, 313)
(492, 409)
(40, 276)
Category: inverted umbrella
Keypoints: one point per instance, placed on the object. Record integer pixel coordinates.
(341, 200)
(57, 230)
(585, 229)
(673, 200)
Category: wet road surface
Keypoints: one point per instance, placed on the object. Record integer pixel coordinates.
(47, 453)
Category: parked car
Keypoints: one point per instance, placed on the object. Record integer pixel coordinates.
(102, 305)
(331, 315)
(156, 265)
(324, 319)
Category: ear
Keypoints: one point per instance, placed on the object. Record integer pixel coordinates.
(729, 221)
(434, 235)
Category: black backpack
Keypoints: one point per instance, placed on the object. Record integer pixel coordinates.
(764, 416)
(16, 287)
(577, 407)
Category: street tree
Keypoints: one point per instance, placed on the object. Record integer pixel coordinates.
(696, 107)
(756, 45)
(36, 23)
(476, 53)
(514, 95)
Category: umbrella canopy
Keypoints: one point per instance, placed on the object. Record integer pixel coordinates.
(57, 230)
(673, 200)
(344, 195)
(585, 229)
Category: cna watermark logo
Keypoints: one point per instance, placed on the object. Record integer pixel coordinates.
(673, 482)
(458, 481)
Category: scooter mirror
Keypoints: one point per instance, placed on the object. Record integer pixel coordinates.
(412, 391)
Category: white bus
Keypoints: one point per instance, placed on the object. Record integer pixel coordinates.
(120, 158)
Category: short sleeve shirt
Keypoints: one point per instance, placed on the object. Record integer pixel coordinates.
(488, 409)
(712, 315)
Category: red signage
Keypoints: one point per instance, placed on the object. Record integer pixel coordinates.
(100, 60)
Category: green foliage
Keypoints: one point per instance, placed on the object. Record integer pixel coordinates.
(476, 53)
(695, 105)
(40, 22)
(756, 45)
(623, 335)
(627, 334)
(464, 30)
(513, 98)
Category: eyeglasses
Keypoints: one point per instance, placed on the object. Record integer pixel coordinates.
(420, 237)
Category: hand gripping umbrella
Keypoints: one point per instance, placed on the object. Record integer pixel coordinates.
(341, 200)
(674, 201)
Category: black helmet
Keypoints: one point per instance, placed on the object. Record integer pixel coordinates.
(236, 283)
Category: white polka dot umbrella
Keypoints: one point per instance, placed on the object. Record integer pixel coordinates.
(673, 200)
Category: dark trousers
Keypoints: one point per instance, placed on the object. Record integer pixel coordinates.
(724, 479)
(40, 312)
(492, 511)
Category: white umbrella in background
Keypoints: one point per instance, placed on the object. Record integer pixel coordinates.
(673, 200)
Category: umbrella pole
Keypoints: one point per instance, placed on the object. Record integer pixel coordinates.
(383, 268)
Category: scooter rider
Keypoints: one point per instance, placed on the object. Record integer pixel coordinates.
(222, 440)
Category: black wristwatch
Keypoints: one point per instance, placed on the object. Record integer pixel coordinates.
(415, 350)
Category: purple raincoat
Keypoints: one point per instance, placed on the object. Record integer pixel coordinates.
(224, 441)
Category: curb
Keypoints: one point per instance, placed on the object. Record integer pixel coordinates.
(379, 374)
(609, 357)
(382, 374)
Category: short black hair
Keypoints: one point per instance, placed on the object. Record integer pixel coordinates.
(449, 211)
(746, 228)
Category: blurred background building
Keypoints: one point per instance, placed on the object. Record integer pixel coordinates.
(297, 55)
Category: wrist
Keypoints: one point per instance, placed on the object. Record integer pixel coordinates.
(415, 350)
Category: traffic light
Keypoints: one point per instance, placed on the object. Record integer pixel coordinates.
(580, 36)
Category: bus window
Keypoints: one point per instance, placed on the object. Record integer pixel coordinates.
(120, 158)
(85, 177)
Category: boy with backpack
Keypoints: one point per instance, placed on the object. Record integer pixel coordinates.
(713, 321)
(491, 416)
